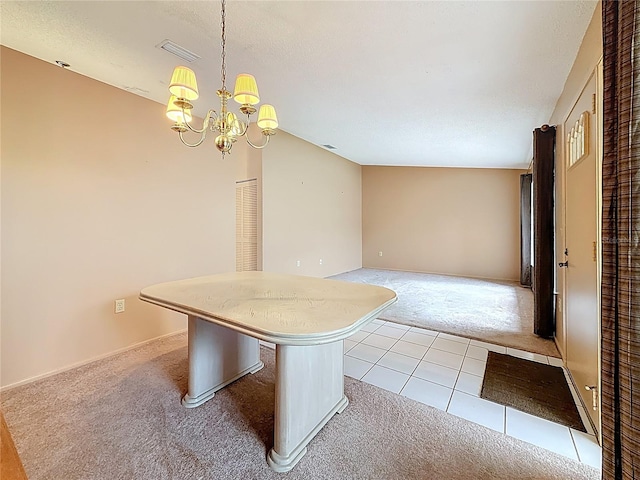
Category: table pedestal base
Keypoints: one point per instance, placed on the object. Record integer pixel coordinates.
(309, 383)
(309, 391)
(217, 357)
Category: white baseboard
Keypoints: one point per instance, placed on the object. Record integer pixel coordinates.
(496, 279)
(86, 362)
(555, 340)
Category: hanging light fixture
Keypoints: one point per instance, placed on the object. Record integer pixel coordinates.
(184, 90)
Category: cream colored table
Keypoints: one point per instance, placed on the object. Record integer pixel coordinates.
(307, 318)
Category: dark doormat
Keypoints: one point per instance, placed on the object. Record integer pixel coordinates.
(530, 387)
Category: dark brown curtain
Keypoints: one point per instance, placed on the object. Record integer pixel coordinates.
(543, 231)
(621, 242)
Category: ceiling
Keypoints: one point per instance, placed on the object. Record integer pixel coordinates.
(436, 83)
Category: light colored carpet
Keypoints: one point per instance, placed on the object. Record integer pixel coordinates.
(121, 418)
(487, 310)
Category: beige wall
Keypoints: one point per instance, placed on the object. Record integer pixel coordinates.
(455, 221)
(312, 201)
(99, 199)
(588, 56)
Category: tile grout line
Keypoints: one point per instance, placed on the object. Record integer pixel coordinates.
(414, 369)
(420, 360)
(504, 424)
(407, 331)
(449, 403)
(575, 445)
(445, 366)
(458, 375)
(388, 350)
(365, 373)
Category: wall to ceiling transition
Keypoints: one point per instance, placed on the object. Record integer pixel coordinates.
(312, 209)
(454, 221)
(585, 63)
(99, 199)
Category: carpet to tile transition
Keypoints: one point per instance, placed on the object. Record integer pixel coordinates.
(488, 310)
(121, 418)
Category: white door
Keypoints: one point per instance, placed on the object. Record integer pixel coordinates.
(581, 240)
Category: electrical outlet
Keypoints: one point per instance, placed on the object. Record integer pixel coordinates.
(380, 253)
(320, 261)
(119, 305)
(298, 263)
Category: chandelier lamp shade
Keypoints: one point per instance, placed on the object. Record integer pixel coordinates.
(177, 114)
(226, 125)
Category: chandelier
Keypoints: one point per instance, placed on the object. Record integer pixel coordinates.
(184, 90)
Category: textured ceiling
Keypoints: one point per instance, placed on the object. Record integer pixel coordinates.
(387, 82)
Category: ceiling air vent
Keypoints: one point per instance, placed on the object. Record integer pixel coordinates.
(178, 51)
(136, 90)
(329, 147)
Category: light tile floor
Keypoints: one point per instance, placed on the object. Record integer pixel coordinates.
(446, 372)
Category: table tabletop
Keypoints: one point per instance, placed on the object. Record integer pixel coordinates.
(279, 308)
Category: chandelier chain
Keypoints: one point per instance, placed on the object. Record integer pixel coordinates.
(223, 72)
